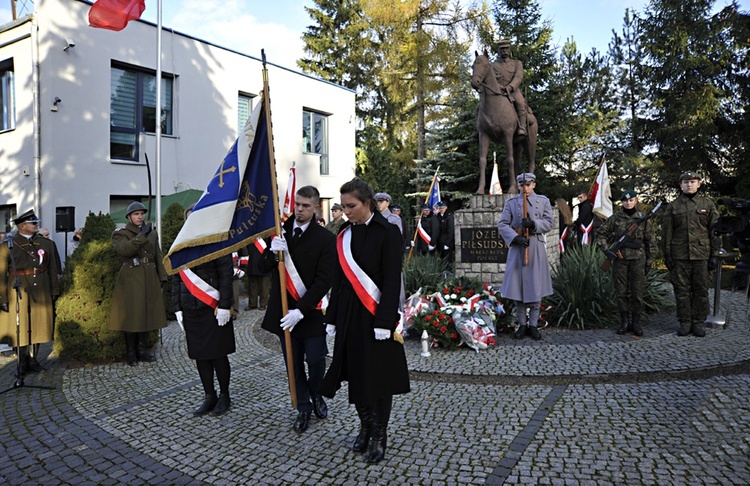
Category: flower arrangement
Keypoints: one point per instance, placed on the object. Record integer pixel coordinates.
(461, 311)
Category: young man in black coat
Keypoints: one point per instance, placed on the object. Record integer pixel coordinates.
(310, 258)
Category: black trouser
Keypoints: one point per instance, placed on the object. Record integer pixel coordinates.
(312, 350)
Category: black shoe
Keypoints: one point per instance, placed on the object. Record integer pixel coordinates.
(684, 330)
(319, 407)
(141, 349)
(33, 365)
(637, 329)
(534, 333)
(222, 404)
(208, 404)
(521, 332)
(302, 422)
(132, 359)
(698, 330)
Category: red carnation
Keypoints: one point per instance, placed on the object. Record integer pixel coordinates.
(446, 291)
(428, 318)
(443, 329)
(442, 316)
(435, 312)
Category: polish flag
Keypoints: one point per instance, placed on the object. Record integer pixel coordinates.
(291, 190)
(601, 194)
(115, 14)
(495, 188)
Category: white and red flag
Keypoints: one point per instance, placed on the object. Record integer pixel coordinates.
(291, 190)
(601, 193)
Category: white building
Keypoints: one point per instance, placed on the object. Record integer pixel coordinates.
(78, 116)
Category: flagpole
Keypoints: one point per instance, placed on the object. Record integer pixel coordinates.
(416, 231)
(275, 197)
(158, 120)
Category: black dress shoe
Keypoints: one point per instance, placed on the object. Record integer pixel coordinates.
(521, 332)
(208, 404)
(319, 407)
(302, 422)
(222, 404)
(33, 365)
(534, 333)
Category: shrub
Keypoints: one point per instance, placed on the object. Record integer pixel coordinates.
(171, 225)
(423, 271)
(584, 295)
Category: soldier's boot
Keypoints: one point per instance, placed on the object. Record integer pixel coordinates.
(637, 329)
(684, 329)
(141, 349)
(522, 121)
(23, 362)
(624, 325)
(33, 364)
(130, 344)
(697, 330)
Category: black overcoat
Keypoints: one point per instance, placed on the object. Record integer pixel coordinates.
(205, 338)
(314, 256)
(373, 368)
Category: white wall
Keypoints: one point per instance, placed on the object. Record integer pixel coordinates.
(75, 165)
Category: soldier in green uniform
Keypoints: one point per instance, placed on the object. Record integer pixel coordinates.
(690, 251)
(34, 264)
(137, 303)
(631, 263)
(337, 211)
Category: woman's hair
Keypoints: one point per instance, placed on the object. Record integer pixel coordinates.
(361, 190)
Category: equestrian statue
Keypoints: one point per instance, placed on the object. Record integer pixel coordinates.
(503, 114)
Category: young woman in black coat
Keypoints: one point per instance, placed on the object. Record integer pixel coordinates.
(365, 352)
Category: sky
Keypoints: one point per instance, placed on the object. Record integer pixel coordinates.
(248, 26)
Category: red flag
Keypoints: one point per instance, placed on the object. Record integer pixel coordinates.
(115, 14)
(291, 189)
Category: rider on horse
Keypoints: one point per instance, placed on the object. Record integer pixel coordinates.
(509, 73)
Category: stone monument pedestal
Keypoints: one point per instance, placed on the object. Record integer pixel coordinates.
(480, 251)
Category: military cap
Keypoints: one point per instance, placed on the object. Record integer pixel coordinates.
(689, 175)
(382, 196)
(528, 176)
(629, 194)
(503, 43)
(135, 206)
(337, 207)
(425, 206)
(441, 204)
(395, 207)
(27, 217)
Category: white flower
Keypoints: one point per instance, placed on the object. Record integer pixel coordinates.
(463, 299)
(454, 296)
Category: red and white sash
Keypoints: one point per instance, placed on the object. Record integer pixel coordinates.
(294, 284)
(260, 244)
(563, 236)
(422, 233)
(586, 230)
(368, 293)
(199, 288)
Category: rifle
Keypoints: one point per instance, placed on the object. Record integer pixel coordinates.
(628, 234)
(524, 231)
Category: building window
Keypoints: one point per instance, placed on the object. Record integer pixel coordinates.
(133, 109)
(315, 137)
(7, 96)
(244, 108)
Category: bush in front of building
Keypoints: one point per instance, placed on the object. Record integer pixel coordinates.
(172, 222)
(82, 311)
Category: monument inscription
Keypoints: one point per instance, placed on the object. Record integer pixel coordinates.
(482, 245)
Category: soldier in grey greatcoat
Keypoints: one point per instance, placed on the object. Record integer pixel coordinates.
(383, 201)
(631, 263)
(526, 284)
(690, 252)
(137, 302)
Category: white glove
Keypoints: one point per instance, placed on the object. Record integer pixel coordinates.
(411, 243)
(223, 316)
(381, 334)
(331, 330)
(278, 244)
(241, 273)
(430, 247)
(291, 319)
(445, 247)
(178, 314)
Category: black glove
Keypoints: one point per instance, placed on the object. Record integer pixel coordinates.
(669, 263)
(146, 229)
(610, 254)
(528, 223)
(713, 262)
(4, 307)
(520, 240)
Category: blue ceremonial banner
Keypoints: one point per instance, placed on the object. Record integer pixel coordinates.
(434, 196)
(237, 206)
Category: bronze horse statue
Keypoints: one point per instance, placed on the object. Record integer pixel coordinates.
(497, 120)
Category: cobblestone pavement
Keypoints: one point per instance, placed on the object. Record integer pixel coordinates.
(577, 407)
